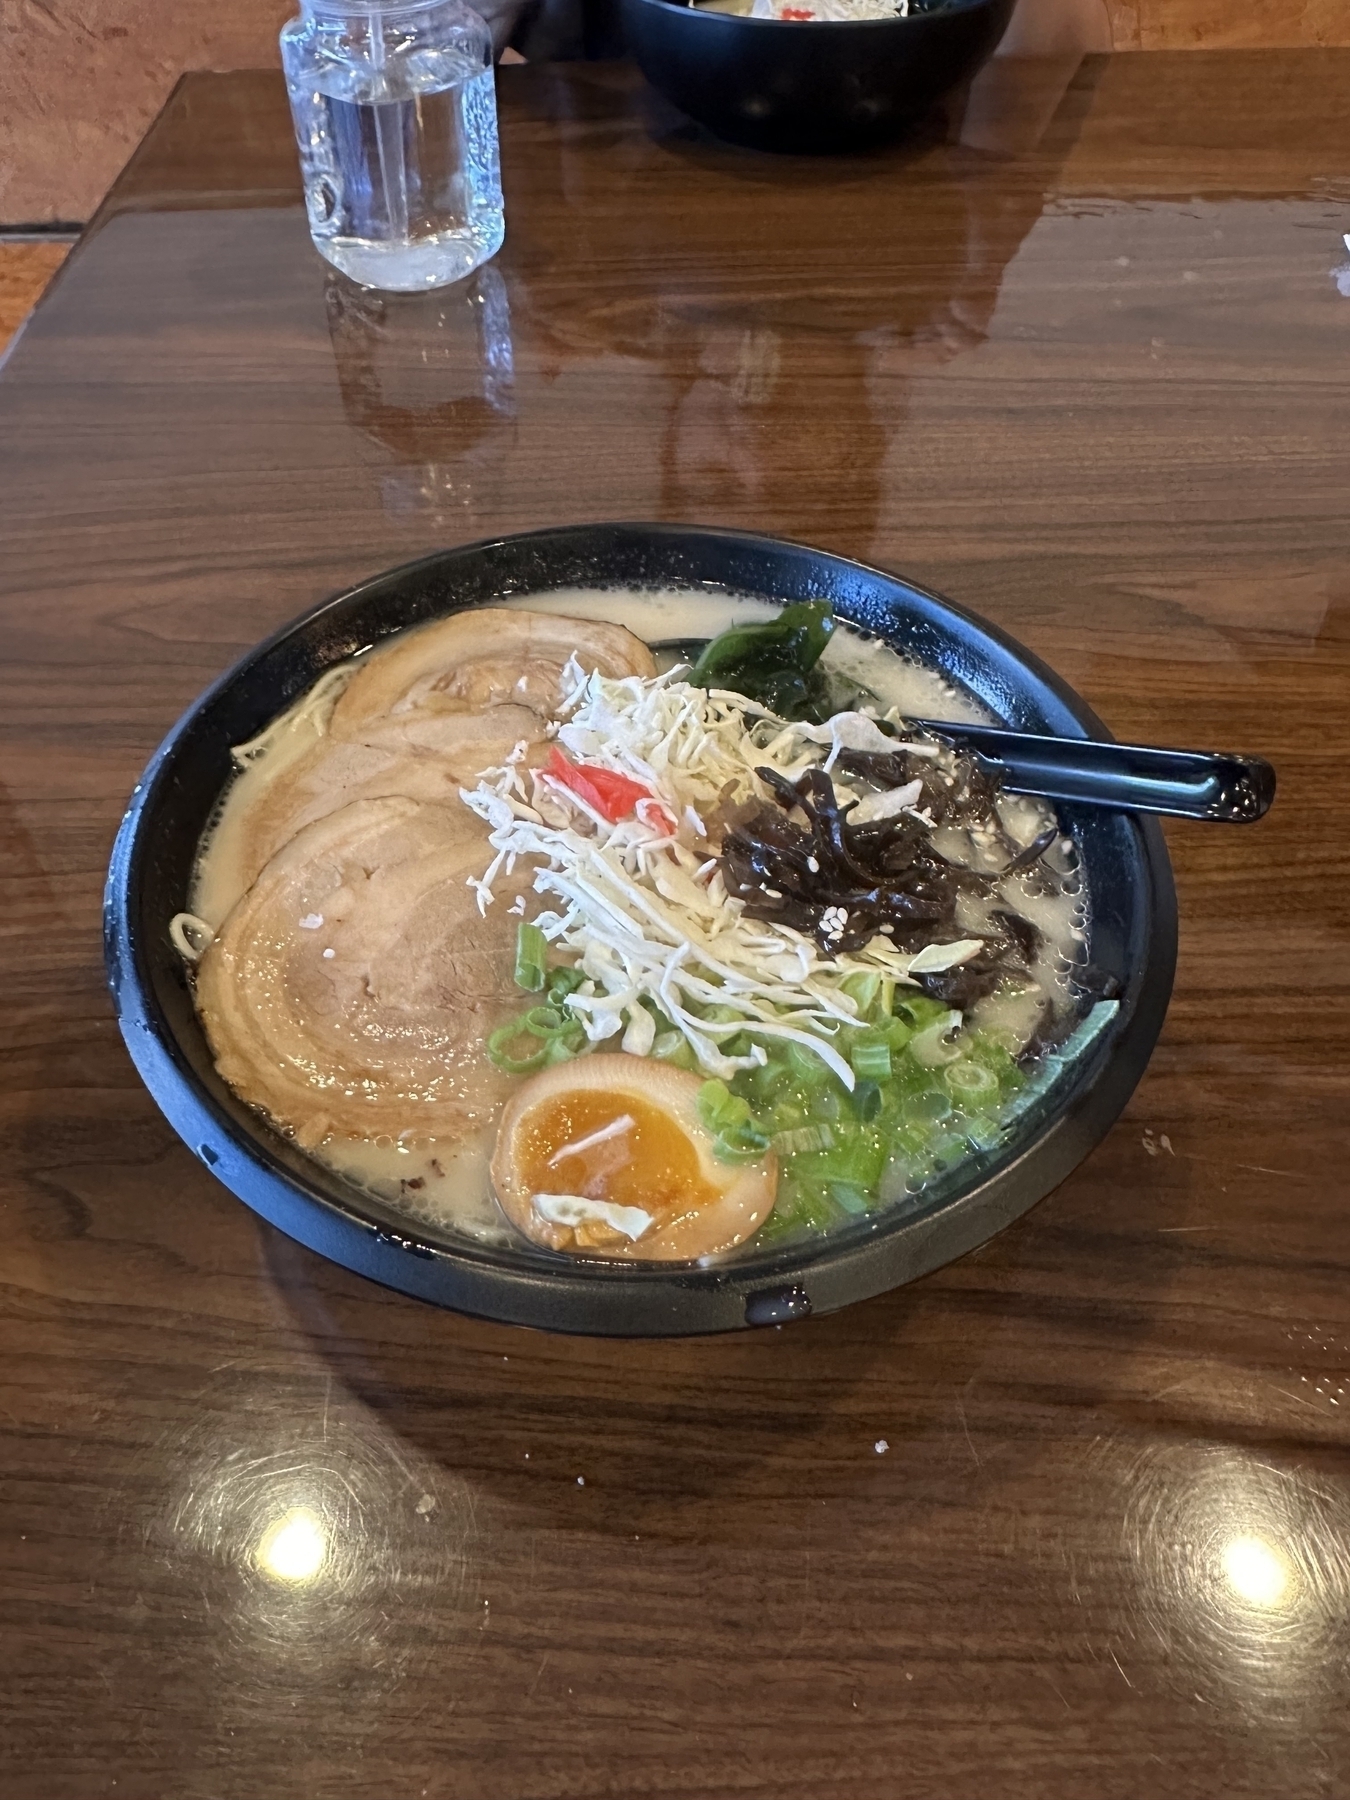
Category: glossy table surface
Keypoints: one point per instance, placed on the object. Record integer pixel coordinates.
(1069, 1520)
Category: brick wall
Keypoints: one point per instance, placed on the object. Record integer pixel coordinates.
(81, 79)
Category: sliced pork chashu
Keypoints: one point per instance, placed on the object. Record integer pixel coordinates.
(486, 657)
(352, 990)
(419, 755)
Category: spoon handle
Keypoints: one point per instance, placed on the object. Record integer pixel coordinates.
(1187, 784)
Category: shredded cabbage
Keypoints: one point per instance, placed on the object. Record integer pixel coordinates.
(640, 904)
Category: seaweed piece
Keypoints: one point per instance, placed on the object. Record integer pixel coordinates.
(1020, 931)
(800, 861)
(1033, 852)
(1096, 983)
(968, 982)
(960, 792)
(775, 662)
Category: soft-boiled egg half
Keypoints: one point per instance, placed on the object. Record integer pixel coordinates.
(607, 1156)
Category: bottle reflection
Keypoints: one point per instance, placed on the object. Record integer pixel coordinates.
(430, 380)
(770, 391)
(821, 376)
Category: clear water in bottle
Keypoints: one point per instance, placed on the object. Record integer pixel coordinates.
(398, 145)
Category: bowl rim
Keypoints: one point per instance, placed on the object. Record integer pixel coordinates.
(317, 1208)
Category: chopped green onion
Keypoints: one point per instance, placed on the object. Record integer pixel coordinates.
(930, 1107)
(554, 1037)
(871, 1060)
(971, 1083)
(918, 1009)
(864, 989)
(984, 1047)
(932, 1046)
(531, 957)
(767, 1077)
(721, 1110)
(866, 1101)
(910, 1144)
(803, 1140)
(741, 1143)
(788, 1115)
(984, 1132)
(547, 1022)
(859, 1159)
(563, 982)
(498, 1048)
(948, 1148)
(674, 1047)
(723, 1015)
(712, 1096)
(800, 1205)
(849, 1195)
(806, 1065)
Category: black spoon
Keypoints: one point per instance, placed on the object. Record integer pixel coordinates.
(1184, 784)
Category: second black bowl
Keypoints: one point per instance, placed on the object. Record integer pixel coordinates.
(810, 87)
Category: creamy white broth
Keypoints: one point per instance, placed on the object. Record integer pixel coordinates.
(217, 876)
(447, 1184)
(919, 692)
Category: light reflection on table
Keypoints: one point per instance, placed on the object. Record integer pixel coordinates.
(1244, 1574)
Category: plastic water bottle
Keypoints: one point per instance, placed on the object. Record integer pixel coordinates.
(396, 118)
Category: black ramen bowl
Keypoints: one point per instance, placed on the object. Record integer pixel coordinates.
(812, 87)
(1132, 939)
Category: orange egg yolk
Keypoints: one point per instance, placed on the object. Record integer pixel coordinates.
(570, 1145)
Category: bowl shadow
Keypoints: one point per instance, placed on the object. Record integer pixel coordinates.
(655, 1426)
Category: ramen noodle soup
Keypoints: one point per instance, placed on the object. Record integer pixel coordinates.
(539, 932)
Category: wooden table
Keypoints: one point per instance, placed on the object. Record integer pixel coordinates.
(1067, 1521)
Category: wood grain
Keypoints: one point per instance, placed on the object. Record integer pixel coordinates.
(1071, 1518)
(25, 269)
(1224, 25)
